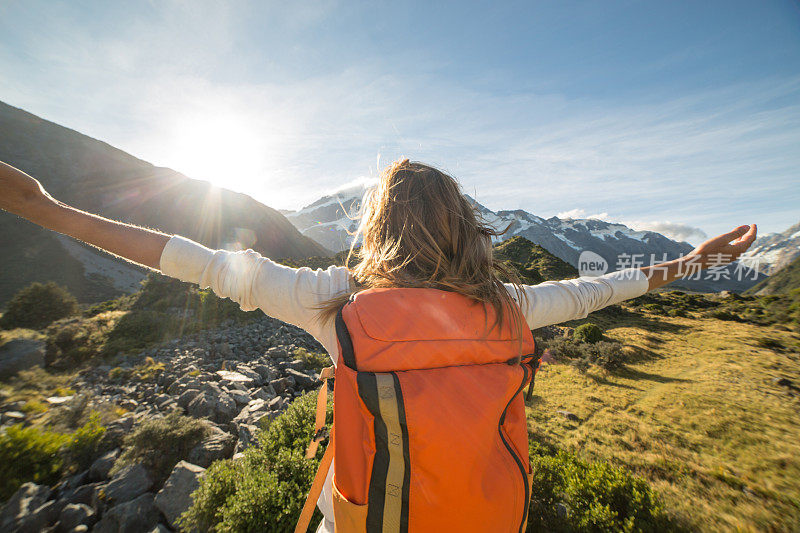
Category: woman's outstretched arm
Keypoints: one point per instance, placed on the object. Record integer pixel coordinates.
(24, 196)
(554, 302)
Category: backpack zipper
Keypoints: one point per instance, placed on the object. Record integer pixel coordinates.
(513, 453)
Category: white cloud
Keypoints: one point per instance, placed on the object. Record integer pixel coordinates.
(674, 230)
(581, 213)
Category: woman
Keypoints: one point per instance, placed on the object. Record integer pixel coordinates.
(418, 232)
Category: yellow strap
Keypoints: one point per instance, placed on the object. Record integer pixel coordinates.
(311, 451)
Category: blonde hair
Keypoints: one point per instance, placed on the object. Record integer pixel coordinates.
(418, 230)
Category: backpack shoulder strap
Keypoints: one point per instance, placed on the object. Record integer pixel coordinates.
(319, 435)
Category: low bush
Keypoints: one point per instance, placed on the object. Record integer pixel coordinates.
(159, 443)
(315, 361)
(570, 494)
(85, 444)
(41, 455)
(588, 332)
(608, 355)
(266, 488)
(37, 305)
(29, 454)
(137, 329)
(75, 340)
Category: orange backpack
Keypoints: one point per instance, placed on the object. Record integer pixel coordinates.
(430, 432)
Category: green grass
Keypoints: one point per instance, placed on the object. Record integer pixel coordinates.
(696, 414)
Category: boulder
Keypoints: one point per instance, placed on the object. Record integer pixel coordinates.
(25, 501)
(176, 495)
(218, 445)
(76, 514)
(44, 516)
(134, 516)
(102, 466)
(227, 376)
(187, 396)
(20, 354)
(83, 494)
(303, 381)
(127, 484)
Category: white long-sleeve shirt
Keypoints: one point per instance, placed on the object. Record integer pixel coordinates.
(293, 295)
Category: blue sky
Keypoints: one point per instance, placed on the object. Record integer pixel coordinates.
(682, 117)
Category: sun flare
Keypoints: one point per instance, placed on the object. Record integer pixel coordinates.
(225, 150)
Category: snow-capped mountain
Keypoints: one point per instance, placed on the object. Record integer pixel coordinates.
(774, 251)
(333, 219)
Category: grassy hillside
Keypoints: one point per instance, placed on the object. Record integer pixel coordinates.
(533, 263)
(701, 415)
(783, 281)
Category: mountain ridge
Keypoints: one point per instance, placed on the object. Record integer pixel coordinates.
(332, 220)
(95, 176)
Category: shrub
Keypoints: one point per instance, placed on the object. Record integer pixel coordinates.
(137, 329)
(313, 360)
(159, 443)
(266, 488)
(588, 332)
(29, 454)
(570, 494)
(37, 305)
(85, 444)
(608, 355)
(41, 455)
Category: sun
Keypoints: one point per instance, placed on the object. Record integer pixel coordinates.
(225, 150)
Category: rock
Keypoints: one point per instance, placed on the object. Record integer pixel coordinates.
(79, 529)
(46, 515)
(227, 376)
(160, 528)
(562, 510)
(73, 515)
(302, 380)
(280, 385)
(202, 406)
(187, 396)
(247, 436)
(266, 373)
(20, 354)
(117, 429)
(102, 466)
(782, 382)
(58, 400)
(264, 393)
(276, 404)
(568, 415)
(127, 484)
(225, 409)
(83, 494)
(26, 500)
(218, 445)
(13, 417)
(224, 349)
(176, 495)
(240, 397)
(134, 516)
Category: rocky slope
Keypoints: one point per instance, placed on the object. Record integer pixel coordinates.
(97, 177)
(775, 251)
(783, 281)
(330, 221)
(233, 377)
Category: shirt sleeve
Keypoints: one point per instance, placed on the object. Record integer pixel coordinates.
(256, 282)
(553, 302)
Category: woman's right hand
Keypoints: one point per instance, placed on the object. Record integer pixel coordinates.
(19, 192)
